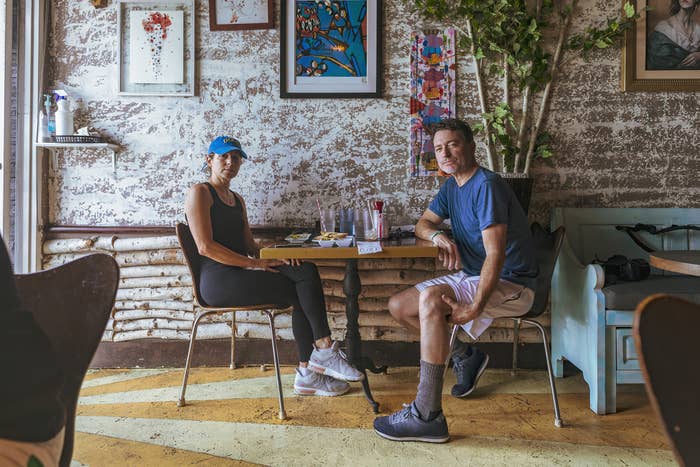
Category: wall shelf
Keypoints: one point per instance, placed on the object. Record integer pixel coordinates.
(109, 146)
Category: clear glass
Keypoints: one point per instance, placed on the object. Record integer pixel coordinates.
(369, 232)
(328, 220)
(347, 220)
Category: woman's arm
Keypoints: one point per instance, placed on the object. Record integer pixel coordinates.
(251, 246)
(197, 206)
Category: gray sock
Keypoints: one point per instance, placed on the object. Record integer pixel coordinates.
(429, 397)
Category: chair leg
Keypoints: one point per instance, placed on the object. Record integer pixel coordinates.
(193, 336)
(557, 416)
(233, 340)
(453, 338)
(516, 337)
(271, 318)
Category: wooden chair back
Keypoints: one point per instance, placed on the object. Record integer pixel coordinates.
(664, 330)
(72, 304)
(547, 247)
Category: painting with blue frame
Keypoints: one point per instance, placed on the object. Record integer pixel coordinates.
(331, 38)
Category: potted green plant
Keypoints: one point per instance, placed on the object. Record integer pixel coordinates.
(511, 42)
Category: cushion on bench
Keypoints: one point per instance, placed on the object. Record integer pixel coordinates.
(627, 295)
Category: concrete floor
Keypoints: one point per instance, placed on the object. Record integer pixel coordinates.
(130, 417)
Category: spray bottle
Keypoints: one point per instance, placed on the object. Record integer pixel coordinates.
(50, 118)
(64, 116)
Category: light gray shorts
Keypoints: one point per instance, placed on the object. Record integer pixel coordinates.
(508, 299)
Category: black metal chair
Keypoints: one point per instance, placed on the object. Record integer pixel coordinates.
(664, 331)
(72, 304)
(189, 249)
(547, 246)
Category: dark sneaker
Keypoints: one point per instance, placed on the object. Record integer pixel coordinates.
(406, 425)
(468, 367)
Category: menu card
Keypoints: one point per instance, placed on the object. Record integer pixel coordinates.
(367, 248)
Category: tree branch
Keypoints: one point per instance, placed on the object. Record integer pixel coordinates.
(521, 129)
(482, 98)
(506, 99)
(545, 95)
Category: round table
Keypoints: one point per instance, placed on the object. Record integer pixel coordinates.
(682, 262)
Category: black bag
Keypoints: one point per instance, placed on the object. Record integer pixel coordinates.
(618, 268)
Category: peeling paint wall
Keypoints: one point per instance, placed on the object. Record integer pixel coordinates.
(612, 148)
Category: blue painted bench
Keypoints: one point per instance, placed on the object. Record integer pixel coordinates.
(592, 324)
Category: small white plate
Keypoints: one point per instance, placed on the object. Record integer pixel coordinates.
(298, 238)
(341, 242)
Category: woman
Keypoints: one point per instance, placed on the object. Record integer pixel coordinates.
(232, 275)
(675, 42)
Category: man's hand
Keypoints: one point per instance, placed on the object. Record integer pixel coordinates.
(448, 253)
(461, 313)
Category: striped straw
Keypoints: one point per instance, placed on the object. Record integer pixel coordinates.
(320, 215)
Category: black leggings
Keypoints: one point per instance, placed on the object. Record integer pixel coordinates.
(298, 286)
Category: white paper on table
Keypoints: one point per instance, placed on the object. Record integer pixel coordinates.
(367, 248)
(157, 51)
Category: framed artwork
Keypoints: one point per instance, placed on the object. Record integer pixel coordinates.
(662, 53)
(235, 15)
(433, 94)
(156, 48)
(330, 48)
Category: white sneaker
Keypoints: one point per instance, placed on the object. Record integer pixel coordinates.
(315, 384)
(333, 362)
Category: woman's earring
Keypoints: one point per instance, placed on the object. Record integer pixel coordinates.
(204, 168)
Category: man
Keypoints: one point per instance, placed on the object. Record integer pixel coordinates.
(494, 251)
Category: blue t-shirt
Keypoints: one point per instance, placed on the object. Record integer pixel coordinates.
(483, 201)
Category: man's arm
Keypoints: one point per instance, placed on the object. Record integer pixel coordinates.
(427, 229)
(494, 238)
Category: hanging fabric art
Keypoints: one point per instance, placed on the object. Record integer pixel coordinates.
(433, 94)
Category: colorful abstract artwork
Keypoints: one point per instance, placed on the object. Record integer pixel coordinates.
(156, 47)
(330, 47)
(433, 94)
(331, 38)
(231, 15)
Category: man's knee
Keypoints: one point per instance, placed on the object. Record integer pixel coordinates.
(396, 306)
(403, 304)
(430, 304)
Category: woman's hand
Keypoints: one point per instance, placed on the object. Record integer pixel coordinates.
(692, 60)
(448, 253)
(268, 264)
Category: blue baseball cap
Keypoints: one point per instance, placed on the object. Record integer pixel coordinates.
(224, 144)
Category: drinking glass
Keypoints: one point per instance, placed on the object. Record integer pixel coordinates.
(369, 232)
(347, 220)
(328, 219)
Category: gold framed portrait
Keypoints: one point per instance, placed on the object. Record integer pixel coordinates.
(662, 51)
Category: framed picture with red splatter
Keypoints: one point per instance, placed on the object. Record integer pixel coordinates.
(330, 48)
(156, 47)
(235, 15)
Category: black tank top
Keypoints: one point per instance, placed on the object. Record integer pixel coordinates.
(227, 223)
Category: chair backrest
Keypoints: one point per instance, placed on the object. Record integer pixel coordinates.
(72, 304)
(664, 330)
(189, 249)
(547, 247)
